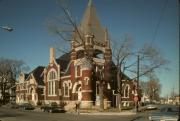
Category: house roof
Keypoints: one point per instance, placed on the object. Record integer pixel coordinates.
(26, 76)
(114, 67)
(37, 73)
(64, 61)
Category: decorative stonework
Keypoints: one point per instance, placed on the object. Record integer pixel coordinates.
(84, 63)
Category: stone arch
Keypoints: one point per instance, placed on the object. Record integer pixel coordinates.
(98, 54)
(75, 86)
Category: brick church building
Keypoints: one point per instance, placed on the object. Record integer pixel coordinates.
(77, 75)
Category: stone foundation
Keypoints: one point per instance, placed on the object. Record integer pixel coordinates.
(86, 104)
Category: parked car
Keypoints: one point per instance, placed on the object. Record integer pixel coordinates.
(26, 106)
(151, 107)
(168, 113)
(11, 105)
(52, 108)
(14, 106)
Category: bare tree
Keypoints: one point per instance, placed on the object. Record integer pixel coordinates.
(173, 93)
(152, 88)
(120, 55)
(9, 69)
(125, 60)
(65, 26)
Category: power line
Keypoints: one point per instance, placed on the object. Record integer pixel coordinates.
(159, 21)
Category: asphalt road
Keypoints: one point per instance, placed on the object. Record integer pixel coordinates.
(7, 114)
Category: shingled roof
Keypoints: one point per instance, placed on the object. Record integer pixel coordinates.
(26, 76)
(90, 24)
(37, 73)
(114, 67)
(64, 61)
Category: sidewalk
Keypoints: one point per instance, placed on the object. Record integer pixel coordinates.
(95, 112)
(123, 113)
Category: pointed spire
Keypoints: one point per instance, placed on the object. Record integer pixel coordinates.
(106, 35)
(90, 19)
(90, 3)
(90, 24)
(107, 39)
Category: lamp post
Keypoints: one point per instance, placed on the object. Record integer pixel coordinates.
(7, 28)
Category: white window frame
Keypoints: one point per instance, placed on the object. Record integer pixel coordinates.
(69, 86)
(124, 91)
(64, 89)
(76, 71)
(51, 80)
(86, 80)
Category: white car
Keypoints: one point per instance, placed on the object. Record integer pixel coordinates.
(165, 114)
(151, 107)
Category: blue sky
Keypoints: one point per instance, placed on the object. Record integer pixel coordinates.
(30, 41)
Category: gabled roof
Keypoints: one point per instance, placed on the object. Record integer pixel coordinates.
(64, 60)
(114, 67)
(37, 73)
(26, 76)
(90, 24)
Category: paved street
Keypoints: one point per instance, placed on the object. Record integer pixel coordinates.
(7, 114)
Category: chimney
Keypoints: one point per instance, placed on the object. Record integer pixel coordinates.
(52, 54)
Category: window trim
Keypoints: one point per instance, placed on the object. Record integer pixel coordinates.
(51, 82)
(86, 81)
(66, 93)
(127, 88)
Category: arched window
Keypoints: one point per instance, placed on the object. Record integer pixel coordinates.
(66, 89)
(52, 77)
(126, 91)
(86, 80)
(67, 85)
(99, 54)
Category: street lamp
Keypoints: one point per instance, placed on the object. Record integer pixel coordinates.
(7, 28)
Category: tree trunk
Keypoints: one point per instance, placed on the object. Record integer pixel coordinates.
(119, 102)
(119, 90)
(3, 93)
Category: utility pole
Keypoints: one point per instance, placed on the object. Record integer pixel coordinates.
(137, 87)
(137, 71)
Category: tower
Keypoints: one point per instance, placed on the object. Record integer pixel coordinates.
(90, 53)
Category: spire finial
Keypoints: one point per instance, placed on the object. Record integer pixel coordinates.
(90, 3)
(107, 38)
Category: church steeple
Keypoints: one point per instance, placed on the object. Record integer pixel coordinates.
(90, 24)
(107, 39)
(90, 3)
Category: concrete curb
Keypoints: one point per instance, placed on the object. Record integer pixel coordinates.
(110, 113)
